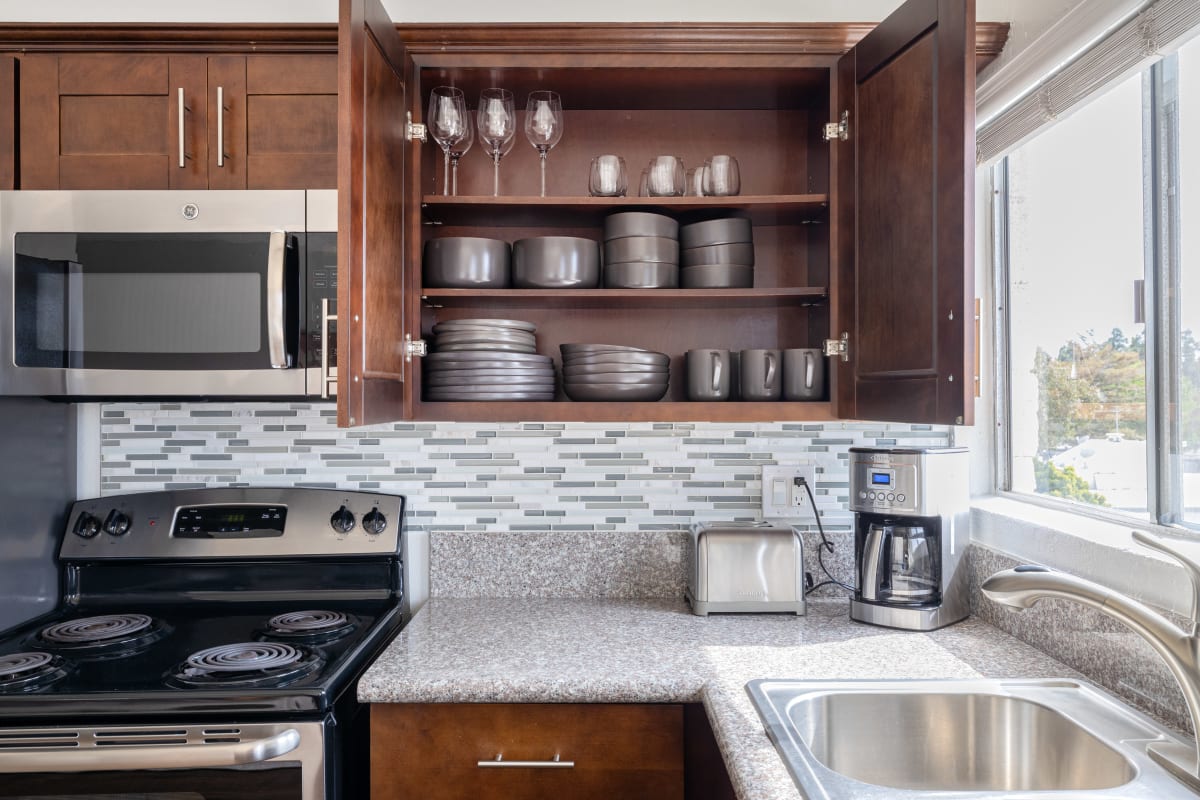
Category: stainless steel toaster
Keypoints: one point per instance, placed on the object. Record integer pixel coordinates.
(745, 566)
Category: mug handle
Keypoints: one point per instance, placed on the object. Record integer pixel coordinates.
(770, 377)
(810, 364)
(716, 372)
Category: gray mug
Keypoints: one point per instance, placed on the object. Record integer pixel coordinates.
(761, 377)
(803, 374)
(708, 374)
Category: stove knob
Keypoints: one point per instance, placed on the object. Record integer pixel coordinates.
(116, 523)
(342, 520)
(86, 526)
(374, 522)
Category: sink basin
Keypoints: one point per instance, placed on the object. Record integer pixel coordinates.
(979, 738)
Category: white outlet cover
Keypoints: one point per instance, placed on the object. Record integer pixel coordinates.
(781, 497)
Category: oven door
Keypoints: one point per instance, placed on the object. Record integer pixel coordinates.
(136, 293)
(159, 762)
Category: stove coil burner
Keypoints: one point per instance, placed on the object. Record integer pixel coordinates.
(310, 625)
(29, 672)
(247, 664)
(106, 636)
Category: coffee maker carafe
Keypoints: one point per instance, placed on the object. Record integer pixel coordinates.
(911, 527)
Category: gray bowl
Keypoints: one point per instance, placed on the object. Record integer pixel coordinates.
(640, 378)
(641, 275)
(639, 223)
(572, 370)
(717, 276)
(650, 359)
(715, 231)
(556, 262)
(739, 253)
(466, 262)
(569, 349)
(615, 392)
(659, 249)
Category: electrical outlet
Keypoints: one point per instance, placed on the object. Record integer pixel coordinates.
(783, 497)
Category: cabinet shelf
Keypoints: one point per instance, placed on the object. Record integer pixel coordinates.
(770, 209)
(794, 297)
(662, 411)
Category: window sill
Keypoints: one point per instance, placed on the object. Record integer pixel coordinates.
(1099, 550)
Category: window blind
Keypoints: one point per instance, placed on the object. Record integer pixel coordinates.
(1156, 32)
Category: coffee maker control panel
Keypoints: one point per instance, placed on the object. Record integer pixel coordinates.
(905, 482)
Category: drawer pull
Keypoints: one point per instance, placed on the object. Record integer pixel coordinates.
(500, 762)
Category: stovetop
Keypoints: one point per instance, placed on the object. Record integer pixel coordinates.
(191, 658)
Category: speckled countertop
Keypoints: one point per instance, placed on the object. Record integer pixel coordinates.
(655, 651)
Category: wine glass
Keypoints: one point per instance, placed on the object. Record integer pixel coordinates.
(458, 150)
(497, 123)
(448, 123)
(544, 125)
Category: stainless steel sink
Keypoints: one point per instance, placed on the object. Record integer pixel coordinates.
(978, 738)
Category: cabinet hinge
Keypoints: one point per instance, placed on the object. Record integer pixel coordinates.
(839, 347)
(414, 131)
(414, 347)
(838, 130)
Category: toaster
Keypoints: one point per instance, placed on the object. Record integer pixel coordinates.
(743, 567)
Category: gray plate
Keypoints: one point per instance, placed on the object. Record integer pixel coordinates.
(527, 359)
(657, 359)
(491, 388)
(451, 324)
(715, 231)
(639, 223)
(486, 347)
(485, 336)
(739, 253)
(643, 378)
(717, 276)
(573, 348)
(488, 378)
(498, 372)
(608, 392)
(624, 368)
(448, 397)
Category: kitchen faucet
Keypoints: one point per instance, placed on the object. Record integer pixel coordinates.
(1023, 586)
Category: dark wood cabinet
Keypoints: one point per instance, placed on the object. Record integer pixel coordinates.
(8, 122)
(444, 751)
(135, 120)
(864, 238)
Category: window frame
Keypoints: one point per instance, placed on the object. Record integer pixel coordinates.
(1162, 235)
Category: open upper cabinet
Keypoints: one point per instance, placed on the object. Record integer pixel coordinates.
(862, 231)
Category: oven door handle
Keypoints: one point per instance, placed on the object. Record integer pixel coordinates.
(135, 757)
(276, 298)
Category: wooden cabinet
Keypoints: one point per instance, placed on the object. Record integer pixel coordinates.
(865, 238)
(8, 122)
(443, 751)
(180, 121)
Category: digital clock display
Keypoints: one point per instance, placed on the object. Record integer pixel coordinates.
(230, 522)
(881, 479)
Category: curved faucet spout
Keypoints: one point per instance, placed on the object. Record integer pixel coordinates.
(1023, 586)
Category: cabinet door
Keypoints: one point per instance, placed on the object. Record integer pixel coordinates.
(904, 217)
(374, 182)
(8, 122)
(275, 119)
(114, 121)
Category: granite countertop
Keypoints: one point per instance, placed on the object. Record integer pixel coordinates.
(656, 651)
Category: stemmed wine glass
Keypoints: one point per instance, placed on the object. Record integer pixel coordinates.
(497, 122)
(448, 124)
(544, 125)
(458, 150)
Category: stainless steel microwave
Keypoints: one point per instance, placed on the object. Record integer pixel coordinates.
(167, 293)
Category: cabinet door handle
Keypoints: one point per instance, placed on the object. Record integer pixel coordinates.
(181, 123)
(554, 763)
(276, 265)
(220, 126)
(328, 373)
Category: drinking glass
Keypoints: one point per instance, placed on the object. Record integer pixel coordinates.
(721, 177)
(448, 124)
(544, 125)
(694, 184)
(497, 123)
(665, 177)
(607, 177)
(458, 150)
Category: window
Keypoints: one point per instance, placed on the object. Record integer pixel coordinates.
(1101, 269)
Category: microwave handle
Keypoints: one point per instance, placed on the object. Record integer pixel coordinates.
(276, 300)
(114, 759)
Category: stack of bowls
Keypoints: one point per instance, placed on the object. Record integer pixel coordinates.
(556, 262)
(717, 254)
(466, 262)
(608, 372)
(487, 359)
(641, 251)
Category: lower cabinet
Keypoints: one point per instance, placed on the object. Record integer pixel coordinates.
(450, 750)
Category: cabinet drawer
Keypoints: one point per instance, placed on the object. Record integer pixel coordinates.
(433, 751)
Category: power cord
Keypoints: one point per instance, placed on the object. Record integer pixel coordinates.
(810, 587)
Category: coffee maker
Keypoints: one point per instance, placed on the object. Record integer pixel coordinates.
(911, 526)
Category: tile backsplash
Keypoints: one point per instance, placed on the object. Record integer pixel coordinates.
(535, 477)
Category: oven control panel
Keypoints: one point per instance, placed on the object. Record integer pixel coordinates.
(234, 523)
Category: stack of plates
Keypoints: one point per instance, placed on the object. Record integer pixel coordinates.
(641, 251)
(603, 372)
(487, 359)
(717, 254)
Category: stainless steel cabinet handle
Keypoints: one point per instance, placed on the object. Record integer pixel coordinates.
(554, 763)
(328, 375)
(276, 263)
(113, 759)
(181, 124)
(220, 126)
